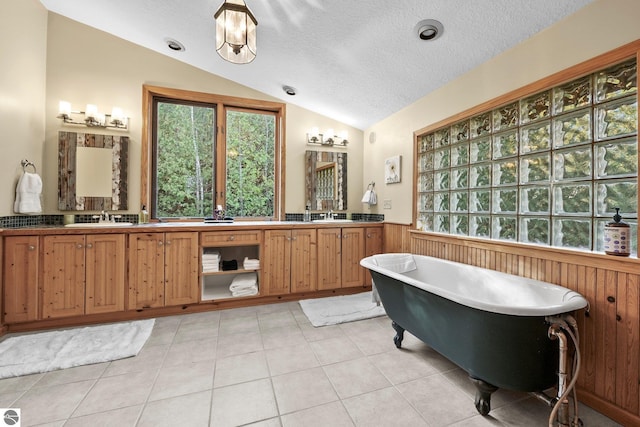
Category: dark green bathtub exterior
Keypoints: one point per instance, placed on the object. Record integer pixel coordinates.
(506, 351)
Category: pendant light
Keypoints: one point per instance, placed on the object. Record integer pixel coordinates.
(236, 32)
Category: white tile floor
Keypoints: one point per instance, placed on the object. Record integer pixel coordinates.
(267, 366)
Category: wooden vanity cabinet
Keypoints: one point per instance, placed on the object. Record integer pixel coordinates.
(372, 246)
(163, 269)
(339, 253)
(83, 274)
(290, 261)
(21, 271)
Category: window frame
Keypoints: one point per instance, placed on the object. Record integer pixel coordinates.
(221, 103)
(601, 62)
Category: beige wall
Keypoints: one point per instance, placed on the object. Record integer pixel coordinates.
(89, 66)
(82, 65)
(593, 30)
(23, 31)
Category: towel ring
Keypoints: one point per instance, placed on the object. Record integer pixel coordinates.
(26, 163)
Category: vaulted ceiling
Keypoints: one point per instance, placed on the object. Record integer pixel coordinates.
(355, 61)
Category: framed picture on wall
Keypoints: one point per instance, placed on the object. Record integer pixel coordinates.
(392, 170)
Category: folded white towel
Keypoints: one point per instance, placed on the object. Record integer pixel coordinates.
(28, 194)
(244, 285)
(250, 264)
(243, 281)
(245, 292)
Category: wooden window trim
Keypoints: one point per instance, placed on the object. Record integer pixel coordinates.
(222, 103)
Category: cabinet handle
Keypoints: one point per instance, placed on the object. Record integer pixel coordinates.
(79, 246)
(89, 245)
(294, 238)
(32, 248)
(338, 236)
(168, 242)
(618, 317)
(368, 236)
(611, 299)
(232, 237)
(159, 242)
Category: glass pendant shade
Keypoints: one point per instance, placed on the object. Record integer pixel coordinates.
(236, 32)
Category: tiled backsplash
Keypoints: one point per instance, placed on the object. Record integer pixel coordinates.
(25, 221)
(354, 216)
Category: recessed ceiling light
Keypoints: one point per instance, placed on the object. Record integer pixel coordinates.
(174, 45)
(429, 29)
(289, 90)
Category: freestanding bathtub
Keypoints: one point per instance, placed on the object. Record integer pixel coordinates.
(492, 325)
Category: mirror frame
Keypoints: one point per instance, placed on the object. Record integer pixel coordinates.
(340, 159)
(68, 142)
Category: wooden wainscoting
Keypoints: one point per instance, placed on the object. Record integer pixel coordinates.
(396, 237)
(609, 329)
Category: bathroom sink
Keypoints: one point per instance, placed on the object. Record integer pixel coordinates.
(98, 224)
(331, 221)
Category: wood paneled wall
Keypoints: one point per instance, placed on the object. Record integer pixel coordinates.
(395, 237)
(609, 328)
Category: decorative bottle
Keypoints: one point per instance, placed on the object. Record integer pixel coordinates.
(617, 236)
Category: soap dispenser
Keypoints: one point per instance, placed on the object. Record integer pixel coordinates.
(143, 216)
(617, 236)
(307, 212)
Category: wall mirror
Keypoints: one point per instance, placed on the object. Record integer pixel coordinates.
(326, 180)
(92, 172)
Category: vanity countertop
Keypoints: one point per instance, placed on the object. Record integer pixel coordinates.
(181, 226)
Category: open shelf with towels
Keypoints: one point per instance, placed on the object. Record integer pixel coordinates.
(230, 271)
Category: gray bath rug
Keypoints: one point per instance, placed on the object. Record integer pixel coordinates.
(341, 309)
(49, 351)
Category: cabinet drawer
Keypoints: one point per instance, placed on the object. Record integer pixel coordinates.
(220, 238)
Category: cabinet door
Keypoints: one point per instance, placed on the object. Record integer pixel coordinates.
(63, 276)
(352, 252)
(105, 273)
(304, 260)
(276, 262)
(329, 258)
(21, 274)
(146, 270)
(372, 246)
(181, 260)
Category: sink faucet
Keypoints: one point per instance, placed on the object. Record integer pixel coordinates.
(105, 217)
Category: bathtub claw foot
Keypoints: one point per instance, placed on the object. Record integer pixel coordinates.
(397, 340)
(483, 395)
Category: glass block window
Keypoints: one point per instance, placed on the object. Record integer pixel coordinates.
(547, 169)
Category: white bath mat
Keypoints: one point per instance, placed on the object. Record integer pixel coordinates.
(341, 309)
(49, 351)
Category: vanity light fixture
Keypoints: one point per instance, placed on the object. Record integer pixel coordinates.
(93, 118)
(328, 139)
(235, 32)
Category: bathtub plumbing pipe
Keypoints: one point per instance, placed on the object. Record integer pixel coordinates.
(560, 326)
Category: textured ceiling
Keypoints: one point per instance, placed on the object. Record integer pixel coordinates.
(355, 61)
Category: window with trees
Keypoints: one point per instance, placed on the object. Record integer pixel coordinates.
(548, 168)
(203, 150)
